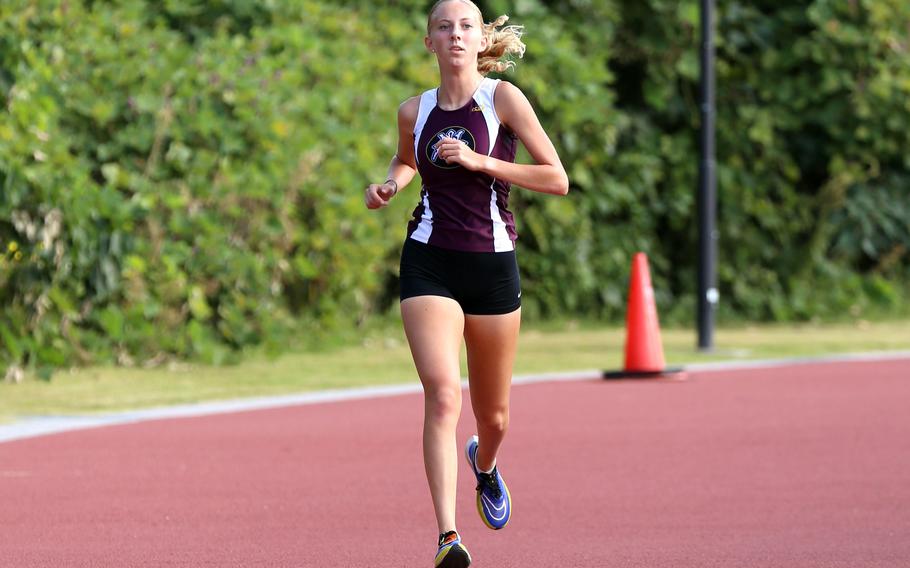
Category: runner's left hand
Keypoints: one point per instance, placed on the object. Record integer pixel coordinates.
(457, 152)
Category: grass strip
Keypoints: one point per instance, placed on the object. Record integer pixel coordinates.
(385, 359)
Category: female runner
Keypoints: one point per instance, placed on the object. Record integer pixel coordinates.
(459, 275)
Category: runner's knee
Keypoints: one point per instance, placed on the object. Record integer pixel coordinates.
(494, 420)
(443, 403)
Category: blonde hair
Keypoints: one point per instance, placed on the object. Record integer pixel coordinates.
(500, 42)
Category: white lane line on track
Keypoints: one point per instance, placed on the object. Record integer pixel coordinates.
(31, 427)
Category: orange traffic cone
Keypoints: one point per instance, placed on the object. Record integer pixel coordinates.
(644, 352)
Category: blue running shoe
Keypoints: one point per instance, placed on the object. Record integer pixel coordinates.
(493, 500)
(451, 553)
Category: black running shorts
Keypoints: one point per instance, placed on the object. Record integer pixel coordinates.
(483, 283)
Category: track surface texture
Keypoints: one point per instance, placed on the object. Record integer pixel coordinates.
(799, 466)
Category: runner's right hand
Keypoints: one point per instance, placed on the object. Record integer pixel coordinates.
(378, 195)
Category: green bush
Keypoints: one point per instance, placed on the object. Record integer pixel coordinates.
(184, 179)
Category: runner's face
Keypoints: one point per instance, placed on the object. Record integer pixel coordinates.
(455, 34)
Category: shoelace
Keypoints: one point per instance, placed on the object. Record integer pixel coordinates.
(489, 481)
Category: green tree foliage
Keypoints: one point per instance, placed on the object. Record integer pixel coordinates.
(184, 178)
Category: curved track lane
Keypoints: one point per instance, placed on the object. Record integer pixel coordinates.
(791, 466)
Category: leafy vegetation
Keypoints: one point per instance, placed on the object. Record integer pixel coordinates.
(183, 179)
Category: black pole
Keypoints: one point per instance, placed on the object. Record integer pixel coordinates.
(707, 187)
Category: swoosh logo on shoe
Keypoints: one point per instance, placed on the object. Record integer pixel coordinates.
(491, 507)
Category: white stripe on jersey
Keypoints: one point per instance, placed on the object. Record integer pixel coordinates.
(425, 228)
(427, 104)
(501, 240)
(484, 99)
(485, 94)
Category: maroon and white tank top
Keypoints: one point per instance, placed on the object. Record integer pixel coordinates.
(460, 209)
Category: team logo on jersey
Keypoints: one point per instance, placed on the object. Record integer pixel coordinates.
(459, 133)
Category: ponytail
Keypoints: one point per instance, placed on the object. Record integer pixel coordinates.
(502, 43)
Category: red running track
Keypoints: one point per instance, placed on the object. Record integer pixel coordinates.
(799, 466)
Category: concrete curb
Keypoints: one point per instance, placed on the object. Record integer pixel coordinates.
(34, 426)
